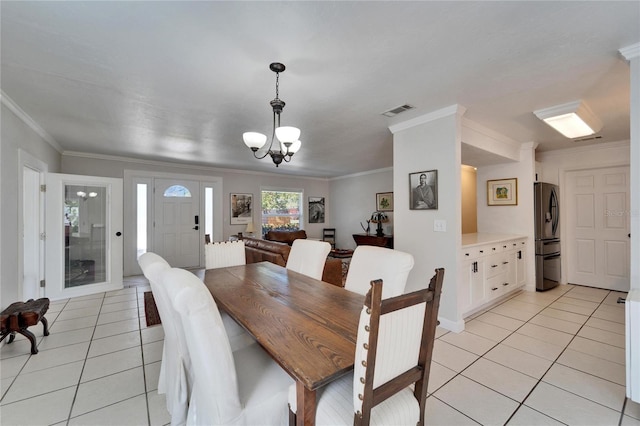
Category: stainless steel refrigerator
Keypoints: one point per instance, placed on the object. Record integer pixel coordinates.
(547, 231)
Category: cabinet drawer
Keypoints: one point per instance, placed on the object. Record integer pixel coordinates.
(498, 285)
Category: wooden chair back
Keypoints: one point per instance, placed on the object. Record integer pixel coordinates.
(371, 387)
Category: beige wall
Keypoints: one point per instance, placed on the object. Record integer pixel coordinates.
(469, 200)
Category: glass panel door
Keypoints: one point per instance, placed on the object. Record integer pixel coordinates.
(85, 214)
(83, 235)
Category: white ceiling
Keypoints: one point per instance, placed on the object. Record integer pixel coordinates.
(181, 81)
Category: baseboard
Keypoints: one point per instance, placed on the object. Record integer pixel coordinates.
(455, 326)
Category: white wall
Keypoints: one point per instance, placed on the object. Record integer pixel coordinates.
(518, 219)
(15, 134)
(430, 142)
(353, 199)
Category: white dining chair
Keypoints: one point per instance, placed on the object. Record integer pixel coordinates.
(221, 255)
(174, 364)
(372, 263)
(392, 362)
(245, 387)
(225, 253)
(308, 257)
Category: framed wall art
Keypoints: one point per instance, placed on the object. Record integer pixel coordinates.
(316, 209)
(502, 192)
(241, 209)
(423, 190)
(384, 201)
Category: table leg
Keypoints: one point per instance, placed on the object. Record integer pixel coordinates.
(306, 400)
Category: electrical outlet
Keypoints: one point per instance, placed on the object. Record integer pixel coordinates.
(440, 225)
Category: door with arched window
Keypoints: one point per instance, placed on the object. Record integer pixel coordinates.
(177, 222)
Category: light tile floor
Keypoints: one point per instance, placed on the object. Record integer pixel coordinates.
(538, 358)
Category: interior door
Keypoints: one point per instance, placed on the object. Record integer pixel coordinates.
(598, 212)
(83, 235)
(177, 222)
(32, 233)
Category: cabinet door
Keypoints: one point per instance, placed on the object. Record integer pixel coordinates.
(521, 266)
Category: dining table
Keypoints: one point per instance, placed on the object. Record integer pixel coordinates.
(309, 327)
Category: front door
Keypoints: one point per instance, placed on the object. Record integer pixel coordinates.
(83, 235)
(597, 245)
(177, 222)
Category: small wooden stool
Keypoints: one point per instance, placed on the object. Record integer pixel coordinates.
(20, 315)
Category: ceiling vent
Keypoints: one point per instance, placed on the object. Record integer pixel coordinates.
(397, 110)
(587, 139)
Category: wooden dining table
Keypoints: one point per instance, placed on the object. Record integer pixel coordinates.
(307, 326)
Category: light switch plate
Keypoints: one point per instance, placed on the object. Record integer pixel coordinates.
(440, 225)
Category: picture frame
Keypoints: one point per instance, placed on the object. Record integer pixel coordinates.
(502, 192)
(316, 209)
(423, 190)
(384, 201)
(241, 208)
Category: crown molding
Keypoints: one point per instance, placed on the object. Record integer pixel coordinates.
(26, 119)
(630, 52)
(369, 172)
(425, 118)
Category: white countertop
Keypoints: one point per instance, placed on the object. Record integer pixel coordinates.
(469, 240)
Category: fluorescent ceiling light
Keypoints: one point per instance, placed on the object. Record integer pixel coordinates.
(573, 120)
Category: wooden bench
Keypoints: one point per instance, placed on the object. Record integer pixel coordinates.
(20, 315)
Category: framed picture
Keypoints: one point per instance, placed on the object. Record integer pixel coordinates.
(316, 209)
(241, 209)
(384, 201)
(502, 192)
(423, 190)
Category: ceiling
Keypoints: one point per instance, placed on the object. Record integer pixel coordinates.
(181, 81)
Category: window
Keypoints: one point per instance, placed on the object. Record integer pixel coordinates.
(177, 191)
(281, 210)
(141, 218)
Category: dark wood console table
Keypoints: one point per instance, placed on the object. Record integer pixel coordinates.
(373, 240)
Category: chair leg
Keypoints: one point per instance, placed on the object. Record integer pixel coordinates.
(292, 417)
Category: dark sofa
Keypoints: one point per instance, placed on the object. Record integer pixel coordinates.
(257, 250)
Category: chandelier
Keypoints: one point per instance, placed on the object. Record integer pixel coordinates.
(288, 138)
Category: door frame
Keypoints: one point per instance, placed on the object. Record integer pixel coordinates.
(131, 179)
(562, 176)
(29, 161)
(54, 243)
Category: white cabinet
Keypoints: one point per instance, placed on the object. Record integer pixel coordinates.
(490, 271)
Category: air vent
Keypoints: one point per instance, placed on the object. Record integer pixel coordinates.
(589, 138)
(397, 110)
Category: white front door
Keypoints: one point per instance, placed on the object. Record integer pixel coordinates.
(83, 235)
(597, 245)
(177, 222)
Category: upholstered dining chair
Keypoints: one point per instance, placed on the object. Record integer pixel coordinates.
(245, 387)
(225, 253)
(378, 263)
(393, 358)
(175, 363)
(221, 255)
(308, 257)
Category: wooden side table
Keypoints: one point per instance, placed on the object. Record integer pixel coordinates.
(373, 240)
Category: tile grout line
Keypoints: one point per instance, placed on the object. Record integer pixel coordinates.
(556, 360)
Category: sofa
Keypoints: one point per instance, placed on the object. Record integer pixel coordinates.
(287, 237)
(257, 250)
